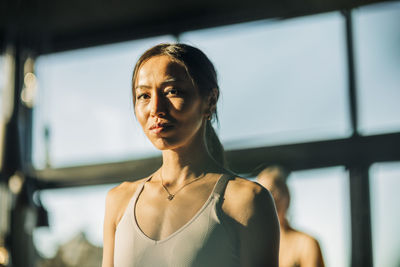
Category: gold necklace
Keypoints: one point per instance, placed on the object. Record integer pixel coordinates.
(171, 196)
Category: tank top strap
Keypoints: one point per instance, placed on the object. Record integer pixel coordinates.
(137, 192)
(220, 187)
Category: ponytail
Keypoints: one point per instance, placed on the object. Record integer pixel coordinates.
(214, 145)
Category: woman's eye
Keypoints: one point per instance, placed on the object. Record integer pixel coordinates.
(172, 92)
(142, 96)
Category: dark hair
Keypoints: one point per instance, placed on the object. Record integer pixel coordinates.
(203, 76)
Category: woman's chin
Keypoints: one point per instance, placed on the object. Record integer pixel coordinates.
(173, 141)
(163, 144)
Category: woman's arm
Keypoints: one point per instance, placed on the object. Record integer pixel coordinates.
(117, 201)
(109, 231)
(253, 208)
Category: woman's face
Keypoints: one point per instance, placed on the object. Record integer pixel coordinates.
(168, 106)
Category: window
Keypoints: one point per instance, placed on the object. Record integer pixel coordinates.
(320, 207)
(377, 42)
(68, 217)
(85, 105)
(384, 185)
(6, 96)
(281, 81)
(2, 74)
(2, 92)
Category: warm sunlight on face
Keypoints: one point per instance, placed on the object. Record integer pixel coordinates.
(168, 106)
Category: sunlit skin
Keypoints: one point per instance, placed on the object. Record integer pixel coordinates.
(168, 106)
(173, 115)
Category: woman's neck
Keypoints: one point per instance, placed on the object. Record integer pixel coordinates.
(187, 163)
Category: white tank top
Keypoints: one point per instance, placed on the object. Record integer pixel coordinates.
(204, 241)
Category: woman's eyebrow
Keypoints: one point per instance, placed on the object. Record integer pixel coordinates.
(170, 80)
(167, 81)
(173, 80)
(141, 86)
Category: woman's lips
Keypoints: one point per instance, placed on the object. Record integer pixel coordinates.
(160, 127)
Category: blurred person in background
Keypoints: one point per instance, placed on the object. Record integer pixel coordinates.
(191, 211)
(297, 249)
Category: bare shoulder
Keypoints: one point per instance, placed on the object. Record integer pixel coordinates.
(124, 187)
(122, 190)
(245, 188)
(307, 240)
(310, 250)
(252, 210)
(244, 199)
(118, 198)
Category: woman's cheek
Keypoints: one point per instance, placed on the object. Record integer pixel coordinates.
(140, 116)
(178, 104)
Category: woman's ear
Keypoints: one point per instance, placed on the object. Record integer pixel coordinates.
(212, 102)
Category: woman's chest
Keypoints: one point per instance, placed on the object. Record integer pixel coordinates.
(158, 217)
(201, 242)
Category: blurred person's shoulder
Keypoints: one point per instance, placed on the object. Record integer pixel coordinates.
(309, 249)
(306, 243)
(306, 240)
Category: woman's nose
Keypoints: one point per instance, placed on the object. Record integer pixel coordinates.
(157, 106)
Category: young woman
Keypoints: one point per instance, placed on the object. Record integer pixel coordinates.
(191, 211)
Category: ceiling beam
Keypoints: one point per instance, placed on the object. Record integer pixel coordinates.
(354, 151)
(54, 26)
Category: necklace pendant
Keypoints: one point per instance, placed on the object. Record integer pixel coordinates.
(170, 197)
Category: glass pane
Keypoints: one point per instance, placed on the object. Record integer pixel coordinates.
(385, 199)
(2, 75)
(377, 43)
(68, 211)
(85, 103)
(281, 81)
(2, 88)
(320, 207)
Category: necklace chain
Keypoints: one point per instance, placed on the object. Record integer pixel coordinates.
(171, 196)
